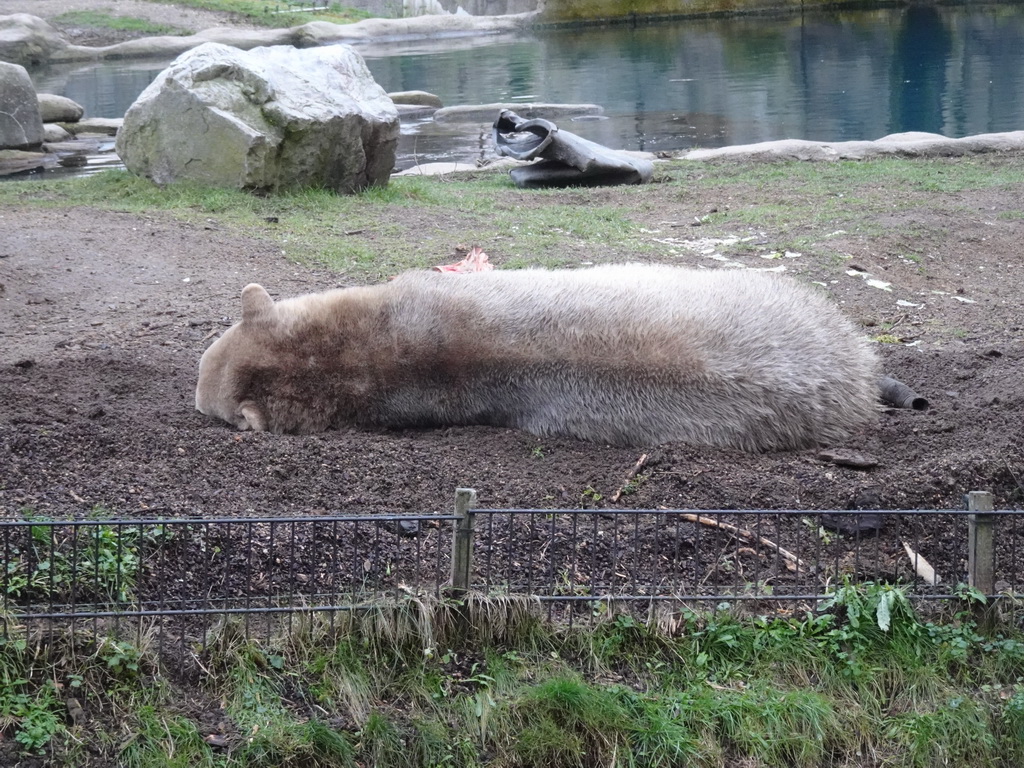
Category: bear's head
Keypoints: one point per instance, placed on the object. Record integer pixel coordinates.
(228, 368)
(265, 373)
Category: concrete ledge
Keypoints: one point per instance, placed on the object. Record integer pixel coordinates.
(912, 144)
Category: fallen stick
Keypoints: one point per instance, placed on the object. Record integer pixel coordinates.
(629, 476)
(792, 561)
(922, 567)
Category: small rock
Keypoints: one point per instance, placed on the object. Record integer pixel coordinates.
(416, 98)
(53, 133)
(74, 146)
(76, 712)
(846, 458)
(18, 161)
(55, 109)
(406, 528)
(100, 126)
(73, 161)
(852, 524)
(411, 111)
(868, 498)
(216, 740)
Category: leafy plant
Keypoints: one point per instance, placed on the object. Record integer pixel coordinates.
(84, 561)
(35, 715)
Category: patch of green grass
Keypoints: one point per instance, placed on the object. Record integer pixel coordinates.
(103, 20)
(865, 675)
(956, 732)
(410, 223)
(164, 739)
(31, 712)
(45, 679)
(277, 736)
(844, 176)
(279, 13)
(888, 338)
(770, 725)
(341, 682)
(848, 195)
(1009, 725)
(381, 743)
(417, 222)
(565, 721)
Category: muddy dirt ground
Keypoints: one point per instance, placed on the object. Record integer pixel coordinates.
(103, 318)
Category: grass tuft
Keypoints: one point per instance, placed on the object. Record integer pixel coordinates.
(279, 13)
(103, 20)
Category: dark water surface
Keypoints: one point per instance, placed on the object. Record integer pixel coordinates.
(834, 76)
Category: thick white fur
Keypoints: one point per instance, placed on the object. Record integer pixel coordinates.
(627, 354)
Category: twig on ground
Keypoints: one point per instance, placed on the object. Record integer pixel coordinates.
(792, 561)
(629, 476)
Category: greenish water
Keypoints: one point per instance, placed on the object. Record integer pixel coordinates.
(954, 70)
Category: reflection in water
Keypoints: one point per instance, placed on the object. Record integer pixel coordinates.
(480, 7)
(828, 76)
(923, 46)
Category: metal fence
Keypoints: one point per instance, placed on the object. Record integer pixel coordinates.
(181, 577)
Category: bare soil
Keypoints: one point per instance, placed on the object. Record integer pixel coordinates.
(103, 318)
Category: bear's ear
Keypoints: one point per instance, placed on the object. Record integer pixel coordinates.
(257, 305)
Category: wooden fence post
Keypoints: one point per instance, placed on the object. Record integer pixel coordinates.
(462, 541)
(981, 552)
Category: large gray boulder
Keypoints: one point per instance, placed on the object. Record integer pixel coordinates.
(27, 39)
(21, 127)
(273, 118)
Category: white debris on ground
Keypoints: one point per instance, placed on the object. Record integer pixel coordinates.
(712, 247)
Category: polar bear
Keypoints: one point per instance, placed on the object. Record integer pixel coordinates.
(620, 354)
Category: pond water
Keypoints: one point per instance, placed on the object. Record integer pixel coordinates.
(828, 76)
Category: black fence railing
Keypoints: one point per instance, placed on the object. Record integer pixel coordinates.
(720, 554)
(181, 577)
